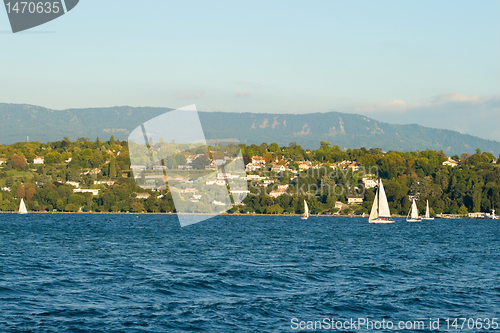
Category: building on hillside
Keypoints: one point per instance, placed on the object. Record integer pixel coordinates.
(255, 177)
(340, 205)
(279, 191)
(369, 182)
(279, 168)
(304, 165)
(354, 199)
(74, 184)
(94, 191)
(258, 160)
(188, 190)
(195, 198)
(354, 166)
(143, 195)
(107, 182)
(239, 191)
(221, 175)
(250, 167)
(39, 160)
(137, 167)
(3, 161)
(451, 162)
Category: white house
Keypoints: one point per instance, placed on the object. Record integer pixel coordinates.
(108, 182)
(258, 160)
(278, 168)
(354, 199)
(252, 167)
(451, 162)
(369, 182)
(39, 160)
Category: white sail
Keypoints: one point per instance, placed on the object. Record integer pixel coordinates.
(383, 205)
(22, 208)
(374, 212)
(427, 210)
(414, 210)
(306, 210)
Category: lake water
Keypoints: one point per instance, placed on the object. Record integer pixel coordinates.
(143, 273)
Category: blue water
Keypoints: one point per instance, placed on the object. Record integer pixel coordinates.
(129, 273)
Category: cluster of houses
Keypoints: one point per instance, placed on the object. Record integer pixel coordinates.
(258, 163)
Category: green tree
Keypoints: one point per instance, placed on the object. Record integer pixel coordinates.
(112, 167)
(53, 158)
(201, 162)
(274, 209)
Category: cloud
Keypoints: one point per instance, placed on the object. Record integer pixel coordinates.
(188, 95)
(242, 94)
(472, 114)
(399, 105)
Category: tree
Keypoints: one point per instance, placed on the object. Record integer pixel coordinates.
(73, 175)
(53, 158)
(274, 209)
(463, 210)
(30, 192)
(112, 167)
(9, 181)
(137, 207)
(201, 162)
(17, 161)
(60, 205)
(20, 192)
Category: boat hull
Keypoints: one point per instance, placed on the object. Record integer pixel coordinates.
(428, 218)
(414, 220)
(381, 221)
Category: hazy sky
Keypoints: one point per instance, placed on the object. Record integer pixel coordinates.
(390, 60)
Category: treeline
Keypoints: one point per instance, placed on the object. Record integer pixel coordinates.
(472, 186)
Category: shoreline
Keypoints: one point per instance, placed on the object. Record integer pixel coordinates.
(442, 216)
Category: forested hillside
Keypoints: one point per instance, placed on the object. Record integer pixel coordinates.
(472, 186)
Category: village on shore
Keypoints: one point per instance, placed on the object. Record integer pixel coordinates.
(98, 176)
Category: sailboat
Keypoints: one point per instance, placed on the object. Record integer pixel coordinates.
(413, 213)
(306, 211)
(380, 209)
(427, 216)
(22, 207)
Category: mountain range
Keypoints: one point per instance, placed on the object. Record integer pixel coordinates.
(20, 121)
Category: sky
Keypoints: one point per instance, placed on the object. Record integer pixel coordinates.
(436, 63)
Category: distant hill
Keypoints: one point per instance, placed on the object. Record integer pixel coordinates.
(307, 130)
